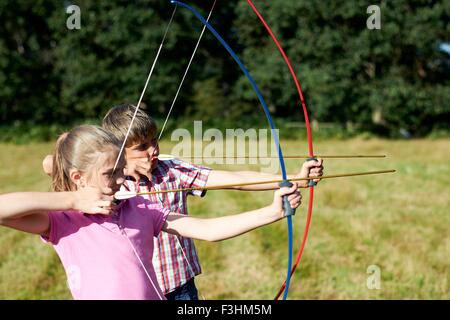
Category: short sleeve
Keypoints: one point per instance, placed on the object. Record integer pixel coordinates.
(53, 237)
(63, 224)
(193, 176)
(159, 216)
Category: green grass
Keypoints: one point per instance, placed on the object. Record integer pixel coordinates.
(398, 222)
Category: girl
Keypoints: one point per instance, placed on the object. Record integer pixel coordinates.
(107, 249)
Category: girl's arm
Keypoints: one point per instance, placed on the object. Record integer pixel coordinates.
(218, 177)
(217, 229)
(28, 211)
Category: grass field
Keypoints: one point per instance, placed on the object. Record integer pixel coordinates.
(399, 222)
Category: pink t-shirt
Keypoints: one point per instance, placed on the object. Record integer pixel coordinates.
(96, 253)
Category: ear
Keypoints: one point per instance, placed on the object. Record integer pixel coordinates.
(77, 178)
(47, 165)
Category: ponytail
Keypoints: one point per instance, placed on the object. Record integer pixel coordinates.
(60, 177)
(78, 149)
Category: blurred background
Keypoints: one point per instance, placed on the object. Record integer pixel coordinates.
(376, 91)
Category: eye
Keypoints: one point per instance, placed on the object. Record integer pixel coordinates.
(119, 172)
(108, 173)
(143, 146)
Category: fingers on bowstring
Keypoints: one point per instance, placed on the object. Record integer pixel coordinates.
(105, 203)
(106, 194)
(102, 210)
(132, 173)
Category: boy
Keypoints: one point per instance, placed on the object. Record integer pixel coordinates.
(175, 258)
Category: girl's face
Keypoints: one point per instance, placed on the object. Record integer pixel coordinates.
(101, 173)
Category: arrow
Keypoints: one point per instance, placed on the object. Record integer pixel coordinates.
(122, 195)
(171, 157)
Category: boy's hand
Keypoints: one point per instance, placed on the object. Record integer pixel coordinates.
(313, 168)
(294, 197)
(138, 167)
(92, 200)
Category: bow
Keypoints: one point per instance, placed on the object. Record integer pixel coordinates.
(285, 286)
(290, 211)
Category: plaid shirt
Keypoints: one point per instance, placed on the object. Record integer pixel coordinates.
(175, 258)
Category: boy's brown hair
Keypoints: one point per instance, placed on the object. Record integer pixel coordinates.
(118, 119)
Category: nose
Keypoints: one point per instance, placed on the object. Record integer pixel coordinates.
(153, 151)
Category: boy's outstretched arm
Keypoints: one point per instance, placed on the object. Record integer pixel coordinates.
(217, 229)
(219, 177)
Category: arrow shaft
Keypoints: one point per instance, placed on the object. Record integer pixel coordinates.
(286, 157)
(350, 156)
(225, 186)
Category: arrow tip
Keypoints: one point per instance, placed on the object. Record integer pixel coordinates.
(163, 156)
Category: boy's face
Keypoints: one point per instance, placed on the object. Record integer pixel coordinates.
(143, 155)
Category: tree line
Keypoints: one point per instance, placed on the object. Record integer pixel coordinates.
(389, 81)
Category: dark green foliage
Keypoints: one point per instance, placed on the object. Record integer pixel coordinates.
(381, 81)
(390, 82)
(28, 85)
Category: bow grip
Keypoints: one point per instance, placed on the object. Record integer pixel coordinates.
(312, 183)
(288, 210)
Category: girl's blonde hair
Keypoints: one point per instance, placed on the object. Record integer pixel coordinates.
(79, 148)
